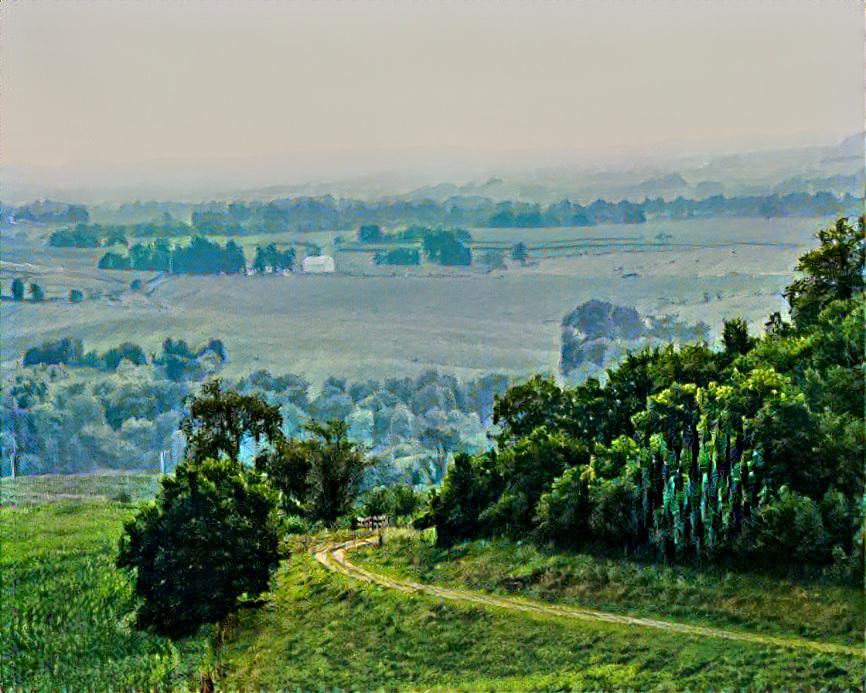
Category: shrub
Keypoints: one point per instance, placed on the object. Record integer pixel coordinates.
(562, 513)
(208, 538)
(790, 527)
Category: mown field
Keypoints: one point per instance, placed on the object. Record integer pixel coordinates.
(464, 321)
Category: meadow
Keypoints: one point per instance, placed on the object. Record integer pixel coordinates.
(816, 607)
(383, 322)
(65, 622)
(46, 488)
(318, 630)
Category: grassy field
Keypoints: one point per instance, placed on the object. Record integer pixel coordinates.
(813, 609)
(321, 632)
(464, 321)
(45, 488)
(69, 629)
(64, 623)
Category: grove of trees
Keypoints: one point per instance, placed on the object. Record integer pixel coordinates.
(598, 334)
(753, 452)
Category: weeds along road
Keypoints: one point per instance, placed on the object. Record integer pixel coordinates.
(333, 557)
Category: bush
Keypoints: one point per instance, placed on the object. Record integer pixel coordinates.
(210, 537)
(790, 527)
(395, 501)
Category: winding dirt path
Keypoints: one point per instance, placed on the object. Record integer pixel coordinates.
(333, 557)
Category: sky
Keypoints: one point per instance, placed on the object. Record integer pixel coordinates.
(140, 87)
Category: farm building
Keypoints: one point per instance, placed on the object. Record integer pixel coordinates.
(318, 264)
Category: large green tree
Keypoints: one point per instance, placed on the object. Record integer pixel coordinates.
(833, 270)
(208, 538)
(219, 421)
(319, 476)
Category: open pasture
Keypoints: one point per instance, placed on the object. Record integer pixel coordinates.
(408, 319)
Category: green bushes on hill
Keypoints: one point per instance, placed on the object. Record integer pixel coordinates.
(751, 451)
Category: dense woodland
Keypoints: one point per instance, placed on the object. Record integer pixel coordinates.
(68, 409)
(751, 452)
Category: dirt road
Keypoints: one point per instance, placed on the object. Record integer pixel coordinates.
(333, 557)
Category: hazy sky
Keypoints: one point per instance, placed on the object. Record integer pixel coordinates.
(192, 81)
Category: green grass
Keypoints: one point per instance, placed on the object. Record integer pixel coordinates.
(321, 631)
(814, 609)
(64, 623)
(57, 487)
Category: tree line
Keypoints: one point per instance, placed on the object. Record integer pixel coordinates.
(200, 256)
(443, 246)
(72, 409)
(330, 213)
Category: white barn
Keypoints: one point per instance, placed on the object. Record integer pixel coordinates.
(318, 264)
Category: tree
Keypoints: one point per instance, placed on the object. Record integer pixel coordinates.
(17, 289)
(735, 337)
(210, 537)
(537, 402)
(520, 253)
(562, 513)
(37, 294)
(447, 247)
(370, 233)
(442, 441)
(76, 296)
(219, 421)
(834, 270)
(336, 469)
(319, 476)
(469, 486)
(527, 470)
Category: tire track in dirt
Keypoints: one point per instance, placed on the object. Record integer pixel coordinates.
(333, 557)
